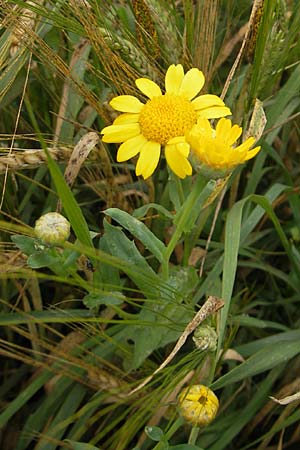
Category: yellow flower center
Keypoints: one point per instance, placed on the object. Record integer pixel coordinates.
(165, 117)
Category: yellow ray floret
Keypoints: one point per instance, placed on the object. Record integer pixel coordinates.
(163, 121)
(216, 147)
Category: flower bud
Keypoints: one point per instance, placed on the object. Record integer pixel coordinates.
(52, 228)
(205, 338)
(198, 404)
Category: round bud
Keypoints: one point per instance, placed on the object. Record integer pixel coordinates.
(198, 404)
(52, 228)
(205, 338)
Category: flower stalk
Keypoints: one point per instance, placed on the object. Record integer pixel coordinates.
(187, 216)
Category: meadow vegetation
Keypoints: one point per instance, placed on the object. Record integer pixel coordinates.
(165, 274)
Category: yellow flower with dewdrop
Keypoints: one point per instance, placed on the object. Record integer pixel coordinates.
(216, 148)
(163, 121)
(198, 404)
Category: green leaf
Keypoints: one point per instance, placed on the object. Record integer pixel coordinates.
(118, 244)
(282, 425)
(258, 212)
(281, 100)
(138, 230)
(243, 416)
(154, 433)
(13, 67)
(187, 215)
(64, 416)
(185, 447)
(92, 301)
(24, 396)
(39, 416)
(73, 100)
(72, 210)
(265, 359)
(59, 316)
(248, 321)
(247, 227)
(80, 445)
(42, 259)
(252, 347)
(143, 210)
(233, 236)
(25, 243)
(262, 39)
(168, 316)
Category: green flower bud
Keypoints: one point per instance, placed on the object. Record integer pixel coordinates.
(198, 404)
(205, 338)
(52, 228)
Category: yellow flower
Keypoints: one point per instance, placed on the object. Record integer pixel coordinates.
(198, 404)
(163, 120)
(215, 148)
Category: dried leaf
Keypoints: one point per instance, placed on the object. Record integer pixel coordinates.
(80, 153)
(258, 121)
(287, 400)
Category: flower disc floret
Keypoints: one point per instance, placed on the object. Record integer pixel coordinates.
(216, 148)
(163, 121)
(166, 117)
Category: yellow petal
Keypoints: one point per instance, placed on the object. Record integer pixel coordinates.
(192, 83)
(126, 103)
(207, 101)
(214, 112)
(130, 148)
(148, 160)
(234, 134)
(252, 153)
(181, 145)
(176, 140)
(245, 146)
(126, 118)
(120, 133)
(202, 127)
(223, 129)
(148, 87)
(183, 148)
(173, 79)
(177, 162)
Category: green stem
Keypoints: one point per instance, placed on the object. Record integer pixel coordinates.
(184, 214)
(179, 190)
(174, 240)
(165, 269)
(213, 364)
(187, 216)
(194, 435)
(192, 238)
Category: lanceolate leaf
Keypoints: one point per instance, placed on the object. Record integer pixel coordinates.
(138, 230)
(69, 203)
(265, 359)
(233, 236)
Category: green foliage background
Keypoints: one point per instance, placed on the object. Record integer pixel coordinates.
(84, 324)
